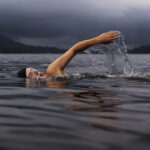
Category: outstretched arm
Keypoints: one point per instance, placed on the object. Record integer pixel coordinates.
(56, 68)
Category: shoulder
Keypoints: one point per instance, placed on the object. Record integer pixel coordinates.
(55, 73)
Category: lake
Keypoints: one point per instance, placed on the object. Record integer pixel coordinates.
(86, 111)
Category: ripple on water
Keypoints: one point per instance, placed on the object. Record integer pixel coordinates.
(86, 112)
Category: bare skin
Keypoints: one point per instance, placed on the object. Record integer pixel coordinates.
(56, 68)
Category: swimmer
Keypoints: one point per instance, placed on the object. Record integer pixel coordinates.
(56, 68)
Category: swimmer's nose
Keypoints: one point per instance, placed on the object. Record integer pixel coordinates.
(40, 74)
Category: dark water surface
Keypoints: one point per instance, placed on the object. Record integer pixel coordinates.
(85, 112)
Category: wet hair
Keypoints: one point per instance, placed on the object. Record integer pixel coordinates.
(22, 73)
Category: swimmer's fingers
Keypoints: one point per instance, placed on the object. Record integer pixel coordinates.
(112, 40)
(107, 37)
(115, 37)
(113, 32)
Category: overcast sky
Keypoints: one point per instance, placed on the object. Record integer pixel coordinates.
(64, 22)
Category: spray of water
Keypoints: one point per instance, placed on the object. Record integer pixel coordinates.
(117, 58)
(117, 61)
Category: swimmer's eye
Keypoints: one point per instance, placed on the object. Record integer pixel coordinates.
(31, 74)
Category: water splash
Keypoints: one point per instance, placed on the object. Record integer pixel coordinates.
(117, 61)
(120, 62)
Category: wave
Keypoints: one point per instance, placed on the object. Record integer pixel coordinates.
(78, 76)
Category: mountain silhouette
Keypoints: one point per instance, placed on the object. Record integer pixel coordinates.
(141, 50)
(8, 45)
(4, 41)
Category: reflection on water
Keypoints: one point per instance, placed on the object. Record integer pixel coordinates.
(95, 101)
(92, 112)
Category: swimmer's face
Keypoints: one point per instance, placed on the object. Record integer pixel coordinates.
(33, 73)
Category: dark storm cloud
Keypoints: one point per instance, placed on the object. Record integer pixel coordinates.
(80, 19)
(40, 19)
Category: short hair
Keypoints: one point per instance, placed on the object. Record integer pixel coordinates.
(22, 73)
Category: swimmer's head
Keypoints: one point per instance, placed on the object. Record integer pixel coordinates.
(32, 73)
(29, 73)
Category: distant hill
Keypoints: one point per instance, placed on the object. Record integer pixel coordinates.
(8, 45)
(4, 41)
(140, 50)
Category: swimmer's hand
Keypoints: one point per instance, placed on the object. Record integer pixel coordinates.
(107, 37)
